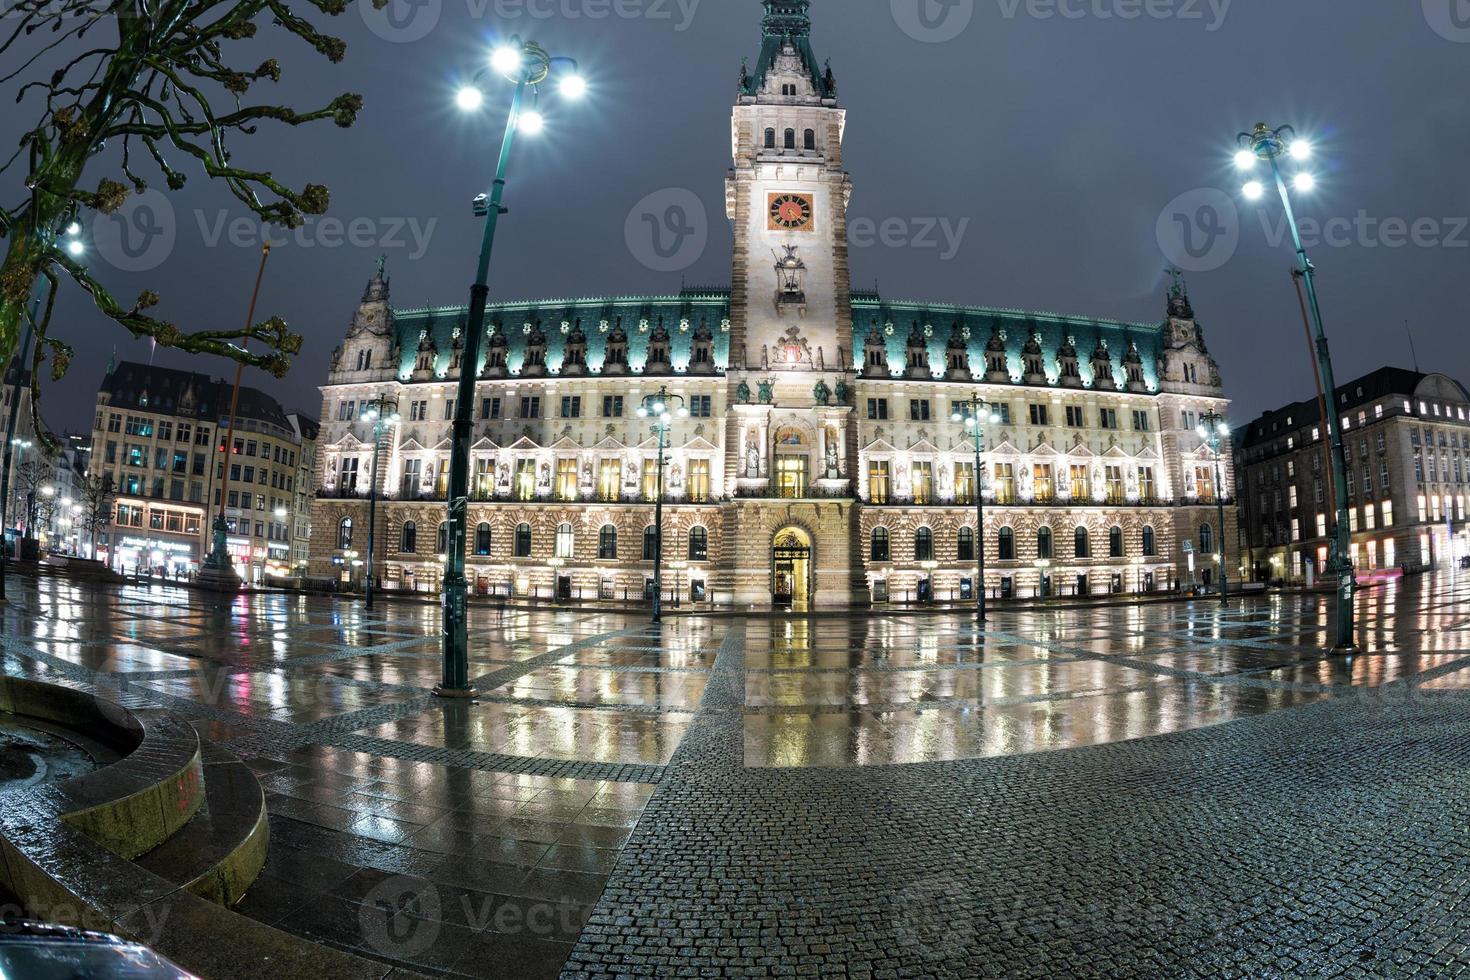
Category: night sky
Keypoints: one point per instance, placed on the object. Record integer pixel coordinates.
(1054, 143)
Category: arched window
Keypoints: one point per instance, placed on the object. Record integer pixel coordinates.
(1083, 543)
(966, 545)
(444, 538)
(650, 543)
(482, 540)
(607, 543)
(810, 139)
(410, 538)
(790, 139)
(523, 541)
(1115, 543)
(566, 542)
(880, 550)
(698, 544)
(923, 544)
(1206, 539)
(1007, 550)
(1043, 543)
(770, 139)
(344, 534)
(1150, 543)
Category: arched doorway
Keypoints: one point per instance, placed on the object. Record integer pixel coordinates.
(791, 569)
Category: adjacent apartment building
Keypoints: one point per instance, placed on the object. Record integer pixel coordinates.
(160, 435)
(1407, 437)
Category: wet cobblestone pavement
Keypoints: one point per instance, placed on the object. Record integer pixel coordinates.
(1162, 790)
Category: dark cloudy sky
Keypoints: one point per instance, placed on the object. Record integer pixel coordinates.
(1053, 137)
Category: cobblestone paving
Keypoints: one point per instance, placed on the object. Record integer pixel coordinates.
(862, 796)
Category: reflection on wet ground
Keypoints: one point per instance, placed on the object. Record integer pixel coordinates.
(396, 815)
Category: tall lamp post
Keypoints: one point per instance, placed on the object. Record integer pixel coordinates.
(1264, 144)
(379, 412)
(527, 65)
(979, 412)
(660, 408)
(1212, 429)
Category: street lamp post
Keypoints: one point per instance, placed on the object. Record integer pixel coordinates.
(379, 413)
(978, 413)
(658, 407)
(1269, 145)
(527, 65)
(1212, 429)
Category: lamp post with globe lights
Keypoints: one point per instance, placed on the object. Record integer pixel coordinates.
(379, 413)
(1266, 145)
(975, 414)
(528, 66)
(1212, 429)
(661, 408)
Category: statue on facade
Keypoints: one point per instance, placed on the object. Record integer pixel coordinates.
(843, 392)
(765, 358)
(752, 455)
(1026, 482)
(767, 393)
(742, 392)
(832, 471)
(822, 393)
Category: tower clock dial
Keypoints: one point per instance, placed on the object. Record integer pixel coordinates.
(791, 212)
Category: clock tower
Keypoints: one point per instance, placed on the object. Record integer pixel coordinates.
(787, 195)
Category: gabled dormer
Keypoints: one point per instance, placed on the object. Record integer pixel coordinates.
(875, 353)
(1034, 361)
(496, 354)
(996, 369)
(957, 355)
(534, 365)
(574, 359)
(702, 349)
(615, 361)
(1069, 373)
(916, 354)
(1102, 367)
(658, 361)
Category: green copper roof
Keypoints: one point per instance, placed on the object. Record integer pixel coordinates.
(787, 21)
(896, 319)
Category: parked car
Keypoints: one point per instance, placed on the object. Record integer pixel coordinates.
(44, 952)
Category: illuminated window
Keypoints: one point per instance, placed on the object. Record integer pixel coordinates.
(1044, 490)
(791, 477)
(565, 541)
(964, 483)
(609, 480)
(878, 482)
(650, 480)
(923, 483)
(566, 479)
(525, 485)
(699, 481)
(1005, 483)
(1081, 485)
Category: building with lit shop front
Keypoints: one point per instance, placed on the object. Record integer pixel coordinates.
(819, 464)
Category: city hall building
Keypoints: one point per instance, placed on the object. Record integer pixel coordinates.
(819, 465)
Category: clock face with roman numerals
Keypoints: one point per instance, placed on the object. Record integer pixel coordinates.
(790, 212)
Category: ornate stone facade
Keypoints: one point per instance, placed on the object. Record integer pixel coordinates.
(819, 415)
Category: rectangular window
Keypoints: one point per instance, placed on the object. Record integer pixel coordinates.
(1204, 478)
(1043, 490)
(650, 480)
(525, 482)
(878, 409)
(566, 479)
(484, 487)
(347, 478)
(1075, 417)
(964, 483)
(919, 409)
(449, 410)
(878, 482)
(612, 406)
(165, 431)
(1038, 415)
(1005, 483)
(1116, 493)
(923, 483)
(489, 409)
(1146, 488)
(701, 406)
(531, 407)
(571, 407)
(1140, 421)
(1004, 411)
(699, 481)
(791, 477)
(1107, 418)
(1079, 483)
(418, 411)
(609, 480)
(1388, 513)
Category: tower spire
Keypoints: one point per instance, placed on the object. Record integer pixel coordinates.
(787, 24)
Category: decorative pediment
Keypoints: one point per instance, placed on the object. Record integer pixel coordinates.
(879, 446)
(1006, 447)
(565, 444)
(525, 443)
(443, 445)
(412, 445)
(1080, 451)
(1149, 453)
(1045, 449)
(349, 443)
(699, 444)
(924, 446)
(485, 445)
(1116, 452)
(609, 445)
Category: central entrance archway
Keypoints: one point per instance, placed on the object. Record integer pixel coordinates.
(791, 569)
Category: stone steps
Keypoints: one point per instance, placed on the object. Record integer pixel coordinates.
(219, 853)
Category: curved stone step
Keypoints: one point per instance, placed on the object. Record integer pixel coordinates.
(220, 852)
